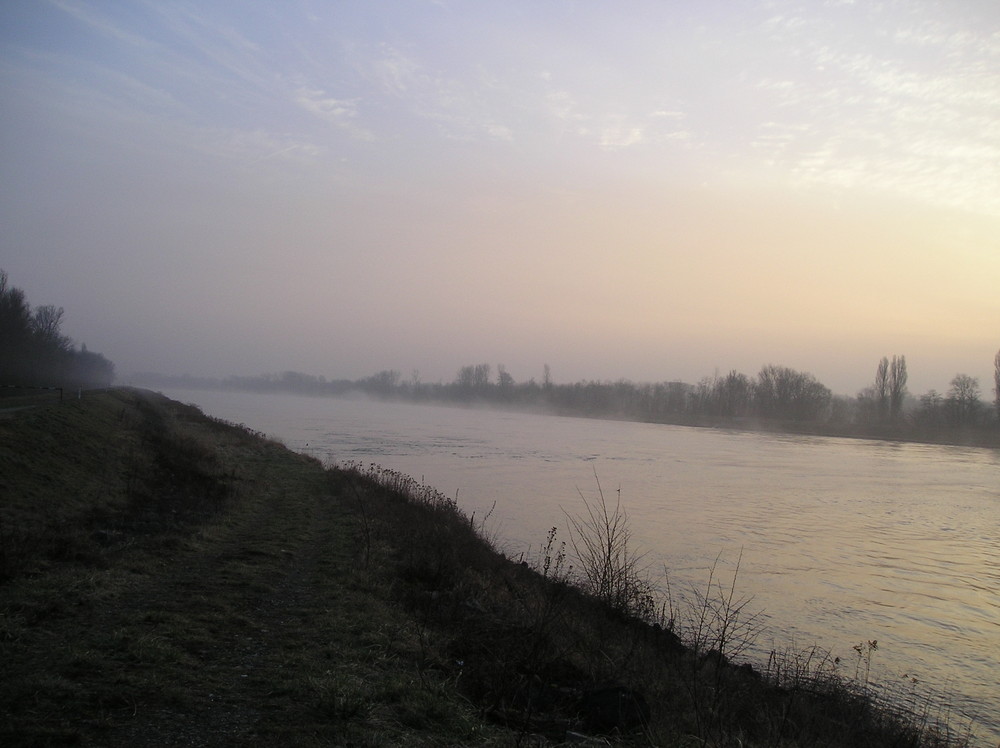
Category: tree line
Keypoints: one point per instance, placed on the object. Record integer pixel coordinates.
(777, 397)
(35, 353)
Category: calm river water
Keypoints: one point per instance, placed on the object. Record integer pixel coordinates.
(842, 540)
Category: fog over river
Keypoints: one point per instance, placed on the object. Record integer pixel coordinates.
(843, 540)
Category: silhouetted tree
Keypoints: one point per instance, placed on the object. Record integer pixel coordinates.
(881, 389)
(35, 353)
(996, 383)
(784, 393)
(866, 407)
(675, 395)
(45, 324)
(15, 333)
(882, 402)
(473, 380)
(897, 387)
(384, 383)
(91, 369)
(963, 400)
(481, 376)
(733, 394)
(729, 396)
(930, 413)
(701, 398)
(465, 377)
(505, 382)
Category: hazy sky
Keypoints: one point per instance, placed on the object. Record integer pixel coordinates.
(641, 190)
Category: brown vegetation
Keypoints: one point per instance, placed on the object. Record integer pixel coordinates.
(170, 579)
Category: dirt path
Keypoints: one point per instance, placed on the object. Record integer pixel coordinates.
(250, 626)
(249, 599)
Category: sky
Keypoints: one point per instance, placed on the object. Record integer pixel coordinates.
(635, 190)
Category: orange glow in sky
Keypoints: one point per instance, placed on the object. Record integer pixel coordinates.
(650, 191)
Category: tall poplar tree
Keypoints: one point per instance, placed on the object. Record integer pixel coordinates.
(996, 383)
(897, 386)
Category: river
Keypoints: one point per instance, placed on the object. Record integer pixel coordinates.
(839, 541)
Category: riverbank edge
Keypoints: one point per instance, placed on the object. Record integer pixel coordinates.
(986, 437)
(171, 577)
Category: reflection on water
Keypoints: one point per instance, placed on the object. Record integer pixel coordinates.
(842, 540)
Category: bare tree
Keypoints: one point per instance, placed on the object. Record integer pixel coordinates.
(866, 406)
(881, 388)
(33, 350)
(466, 377)
(504, 380)
(931, 413)
(46, 323)
(481, 376)
(897, 386)
(780, 392)
(963, 399)
(732, 394)
(473, 378)
(996, 383)
(15, 318)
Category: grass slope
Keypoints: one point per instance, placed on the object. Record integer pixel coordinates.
(171, 580)
(168, 579)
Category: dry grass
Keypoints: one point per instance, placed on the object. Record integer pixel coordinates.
(169, 579)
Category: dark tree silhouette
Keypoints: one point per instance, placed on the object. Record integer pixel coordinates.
(881, 389)
(784, 393)
(897, 387)
(34, 352)
(963, 400)
(996, 384)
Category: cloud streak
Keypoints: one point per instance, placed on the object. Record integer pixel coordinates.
(341, 113)
(550, 176)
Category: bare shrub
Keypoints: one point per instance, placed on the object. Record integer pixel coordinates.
(720, 621)
(610, 569)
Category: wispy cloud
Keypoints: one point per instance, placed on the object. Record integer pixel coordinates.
(470, 107)
(611, 130)
(620, 136)
(101, 23)
(112, 107)
(915, 116)
(161, 96)
(849, 94)
(500, 132)
(342, 113)
(217, 55)
(257, 146)
(396, 73)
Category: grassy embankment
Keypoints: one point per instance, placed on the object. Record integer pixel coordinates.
(169, 579)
